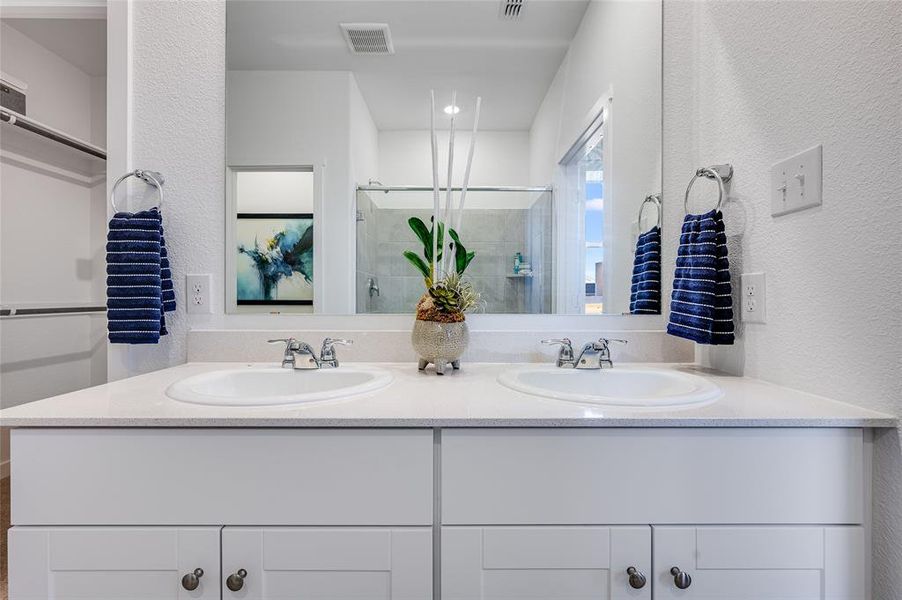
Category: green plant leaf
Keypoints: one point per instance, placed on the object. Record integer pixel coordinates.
(462, 258)
(423, 233)
(417, 262)
(470, 257)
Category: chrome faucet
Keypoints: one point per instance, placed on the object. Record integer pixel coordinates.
(594, 355)
(295, 348)
(327, 357)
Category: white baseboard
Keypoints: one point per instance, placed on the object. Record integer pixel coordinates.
(4, 469)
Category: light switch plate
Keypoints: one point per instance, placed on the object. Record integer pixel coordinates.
(797, 182)
(754, 298)
(197, 292)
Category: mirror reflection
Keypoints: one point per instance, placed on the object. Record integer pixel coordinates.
(330, 154)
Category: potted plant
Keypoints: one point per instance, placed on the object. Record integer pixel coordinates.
(440, 335)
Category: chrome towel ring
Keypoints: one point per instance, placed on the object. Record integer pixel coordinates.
(651, 199)
(721, 173)
(149, 177)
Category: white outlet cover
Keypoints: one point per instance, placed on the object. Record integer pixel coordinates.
(197, 294)
(797, 182)
(754, 298)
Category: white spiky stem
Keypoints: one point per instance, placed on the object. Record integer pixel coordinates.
(435, 191)
(447, 216)
(466, 182)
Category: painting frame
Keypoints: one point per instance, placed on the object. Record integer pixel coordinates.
(308, 221)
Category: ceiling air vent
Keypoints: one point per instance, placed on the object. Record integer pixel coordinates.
(512, 10)
(368, 38)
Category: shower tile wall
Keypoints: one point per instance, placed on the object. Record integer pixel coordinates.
(495, 236)
(367, 229)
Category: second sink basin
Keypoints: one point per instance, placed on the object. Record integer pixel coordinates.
(620, 386)
(274, 386)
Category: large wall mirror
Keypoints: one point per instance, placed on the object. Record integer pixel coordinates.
(329, 152)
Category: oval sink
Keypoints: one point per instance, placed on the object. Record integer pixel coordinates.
(620, 386)
(275, 386)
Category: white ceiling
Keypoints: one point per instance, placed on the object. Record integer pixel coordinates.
(81, 42)
(444, 45)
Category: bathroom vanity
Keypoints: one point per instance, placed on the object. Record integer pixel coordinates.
(456, 488)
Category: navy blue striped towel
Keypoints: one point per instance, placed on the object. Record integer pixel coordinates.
(139, 281)
(645, 291)
(701, 307)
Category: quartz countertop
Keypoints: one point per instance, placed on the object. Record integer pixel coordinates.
(471, 397)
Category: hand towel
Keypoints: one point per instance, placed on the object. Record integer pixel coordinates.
(701, 306)
(645, 291)
(139, 281)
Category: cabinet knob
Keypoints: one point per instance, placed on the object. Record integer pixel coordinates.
(637, 579)
(235, 581)
(680, 579)
(191, 580)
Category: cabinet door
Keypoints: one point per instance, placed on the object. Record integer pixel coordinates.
(305, 563)
(112, 563)
(733, 563)
(544, 563)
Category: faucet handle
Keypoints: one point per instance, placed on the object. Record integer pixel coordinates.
(329, 342)
(607, 341)
(289, 341)
(565, 355)
(327, 352)
(561, 342)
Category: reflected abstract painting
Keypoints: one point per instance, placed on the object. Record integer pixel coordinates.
(275, 258)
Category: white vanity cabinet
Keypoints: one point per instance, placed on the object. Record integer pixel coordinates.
(114, 563)
(501, 513)
(305, 563)
(534, 510)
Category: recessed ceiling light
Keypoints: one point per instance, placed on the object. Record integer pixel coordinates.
(452, 110)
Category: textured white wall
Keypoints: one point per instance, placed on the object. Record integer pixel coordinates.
(178, 128)
(755, 82)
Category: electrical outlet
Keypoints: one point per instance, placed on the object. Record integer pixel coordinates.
(197, 291)
(754, 298)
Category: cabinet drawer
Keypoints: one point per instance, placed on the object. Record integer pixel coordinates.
(626, 476)
(217, 476)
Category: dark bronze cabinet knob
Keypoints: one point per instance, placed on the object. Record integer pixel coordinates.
(637, 579)
(191, 580)
(235, 581)
(680, 579)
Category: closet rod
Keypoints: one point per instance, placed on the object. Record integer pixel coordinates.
(50, 133)
(50, 310)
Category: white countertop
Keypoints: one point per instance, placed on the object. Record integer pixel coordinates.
(468, 398)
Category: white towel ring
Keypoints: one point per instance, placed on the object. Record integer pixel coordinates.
(149, 177)
(721, 173)
(651, 199)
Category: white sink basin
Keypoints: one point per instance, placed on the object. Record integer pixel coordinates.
(620, 386)
(275, 386)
